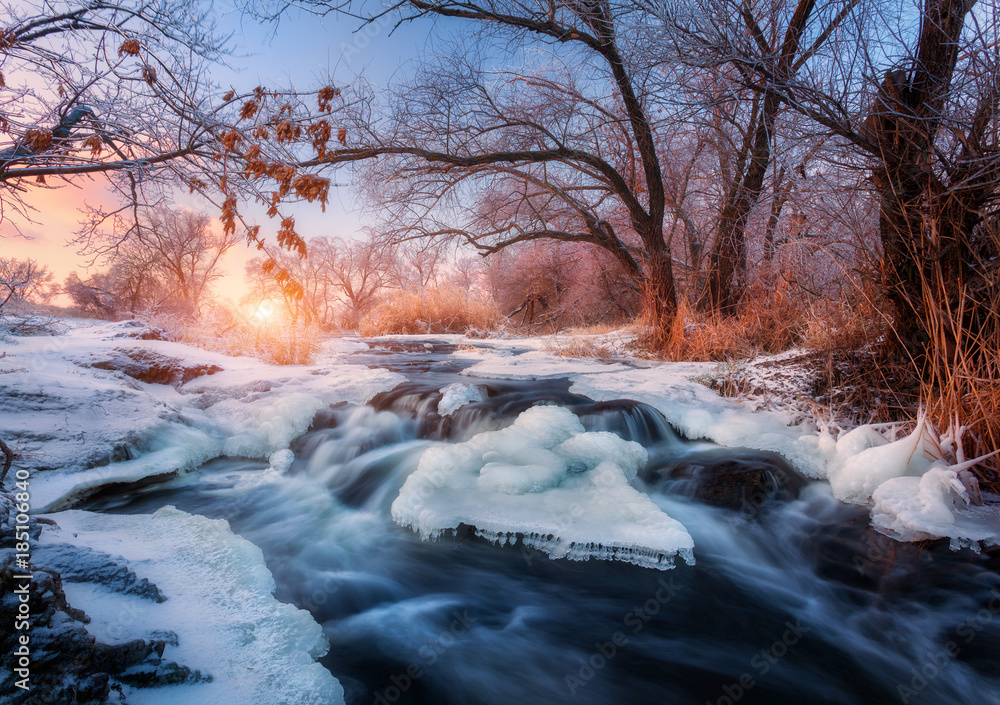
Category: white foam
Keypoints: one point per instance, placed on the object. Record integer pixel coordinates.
(219, 603)
(563, 490)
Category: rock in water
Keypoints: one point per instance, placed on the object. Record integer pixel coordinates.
(735, 479)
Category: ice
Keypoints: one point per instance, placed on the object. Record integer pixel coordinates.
(266, 426)
(865, 459)
(171, 448)
(588, 450)
(536, 364)
(858, 464)
(563, 490)
(455, 396)
(219, 604)
(936, 504)
(698, 412)
(281, 460)
(78, 427)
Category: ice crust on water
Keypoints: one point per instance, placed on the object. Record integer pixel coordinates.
(565, 491)
(455, 396)
(936, 504)
(219, 604)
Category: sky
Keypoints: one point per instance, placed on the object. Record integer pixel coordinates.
(299, 49)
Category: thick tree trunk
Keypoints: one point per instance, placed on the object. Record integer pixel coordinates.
(925, 228)
(659, 297)
(728, 260)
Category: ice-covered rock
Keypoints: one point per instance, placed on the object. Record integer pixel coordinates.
(544, 478)
(455, 396)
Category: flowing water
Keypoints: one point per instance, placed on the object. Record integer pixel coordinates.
(791, 601)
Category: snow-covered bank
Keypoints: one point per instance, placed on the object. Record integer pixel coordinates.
(75, 409)
(219, 616)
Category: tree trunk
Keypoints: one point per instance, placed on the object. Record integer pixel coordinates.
(659, 297)
(729, 253)
(925, 228)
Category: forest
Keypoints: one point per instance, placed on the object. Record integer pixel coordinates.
(537, 351)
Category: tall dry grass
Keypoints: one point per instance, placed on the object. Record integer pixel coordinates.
(960, 365)
(277, 341)
(441, 310)
(766, 323)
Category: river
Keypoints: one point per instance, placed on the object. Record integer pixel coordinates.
(791, 600)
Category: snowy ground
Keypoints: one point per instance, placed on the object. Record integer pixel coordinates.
(77, 411)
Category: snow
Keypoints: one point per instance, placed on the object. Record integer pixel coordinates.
(565, 491)
(900, 480)
(78, 427)
(455, 396)
(228, 625)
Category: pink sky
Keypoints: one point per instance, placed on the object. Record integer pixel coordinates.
(304, 48)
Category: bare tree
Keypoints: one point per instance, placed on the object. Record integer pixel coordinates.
(415, 266)
(736, 39)
(93, 296)
(120, 88)
(358, 270)
(185, 254)
(927, 133)
(556, 149)
(20, 280)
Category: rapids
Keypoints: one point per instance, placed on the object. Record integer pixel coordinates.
(791, 600)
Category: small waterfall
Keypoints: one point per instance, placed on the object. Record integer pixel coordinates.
(793, 597)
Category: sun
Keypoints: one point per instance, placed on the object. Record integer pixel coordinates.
(266, 311)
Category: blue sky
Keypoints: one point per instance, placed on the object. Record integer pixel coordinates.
(300, 49)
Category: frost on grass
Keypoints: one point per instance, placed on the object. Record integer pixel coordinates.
(563, 490)
(219, 610)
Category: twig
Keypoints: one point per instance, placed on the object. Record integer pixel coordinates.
(8, 459)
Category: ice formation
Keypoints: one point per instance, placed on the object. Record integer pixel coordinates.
(914, 485)
(935, 504)
(565, 491)
(82, 426)
(455, 396)
(219, 604)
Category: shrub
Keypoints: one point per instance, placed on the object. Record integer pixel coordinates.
(224, 330)
(441, 310)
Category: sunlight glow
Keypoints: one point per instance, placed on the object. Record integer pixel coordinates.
(266, 311)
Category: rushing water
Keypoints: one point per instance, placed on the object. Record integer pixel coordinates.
(791, 601)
